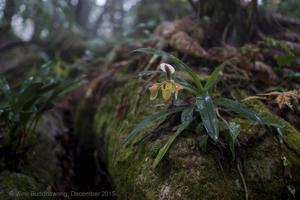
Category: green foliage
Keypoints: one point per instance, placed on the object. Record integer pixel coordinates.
(245, 112)
(212, 79)
(239, 109)
(204, 104)
(181, 65)
(21, 108)
(249, 49)
(208, 115)
(234, 131)
(288, 56)
(150, 120)
(292, 190)
(285, 60)
(186, 119)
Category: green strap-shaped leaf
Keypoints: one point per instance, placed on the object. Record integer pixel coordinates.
(162, 152)
(178, 62)
(5, 90)
(212, 79)
(207, 111)
(234, 131)
(187, 115)
(186, 119)
(276, 122)
(249, 114)
(240, 109)
(28, 96)
(149, 72)
(186, 85)
(60, 90)
(49, 86)
(273, 121)
(149, 120)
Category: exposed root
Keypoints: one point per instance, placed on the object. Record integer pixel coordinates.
(289, 36)
(262, 67)
(294, 46)
(285, 20)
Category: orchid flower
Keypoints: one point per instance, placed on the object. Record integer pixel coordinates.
(168, 87)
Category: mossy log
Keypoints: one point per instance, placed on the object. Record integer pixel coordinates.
(268, 164)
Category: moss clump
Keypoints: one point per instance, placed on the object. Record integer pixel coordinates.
(16, 186)
(40, 169)
(291, 135)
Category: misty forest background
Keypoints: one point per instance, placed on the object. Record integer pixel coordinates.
(72, 91)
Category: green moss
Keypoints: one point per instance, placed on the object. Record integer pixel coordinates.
(185, 173)
(291, 135)
(292, 139)
(12, 184)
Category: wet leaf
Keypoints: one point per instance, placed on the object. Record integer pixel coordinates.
(187, 115)
(273, 121)
(149, 120)
(186, 119)
(162, 152)
(240, 109)
(234, 131)
(207, 111)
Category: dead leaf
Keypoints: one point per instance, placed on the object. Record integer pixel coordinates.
(280, 98)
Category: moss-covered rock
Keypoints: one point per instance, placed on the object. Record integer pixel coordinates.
(186, 173)
(17, 186)
(42, 161)
(39, 169)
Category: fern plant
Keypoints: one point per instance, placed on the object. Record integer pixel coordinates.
(204, 104)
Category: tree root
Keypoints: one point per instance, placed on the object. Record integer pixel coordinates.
(285, 20)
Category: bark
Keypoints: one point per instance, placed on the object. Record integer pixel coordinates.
(83, 9)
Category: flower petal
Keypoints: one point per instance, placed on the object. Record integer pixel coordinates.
(166, 94)
(154, 90)
(178, 87)
(163, 67)
(167, 89)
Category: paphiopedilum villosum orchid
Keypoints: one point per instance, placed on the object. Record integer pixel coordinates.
(168, 87)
